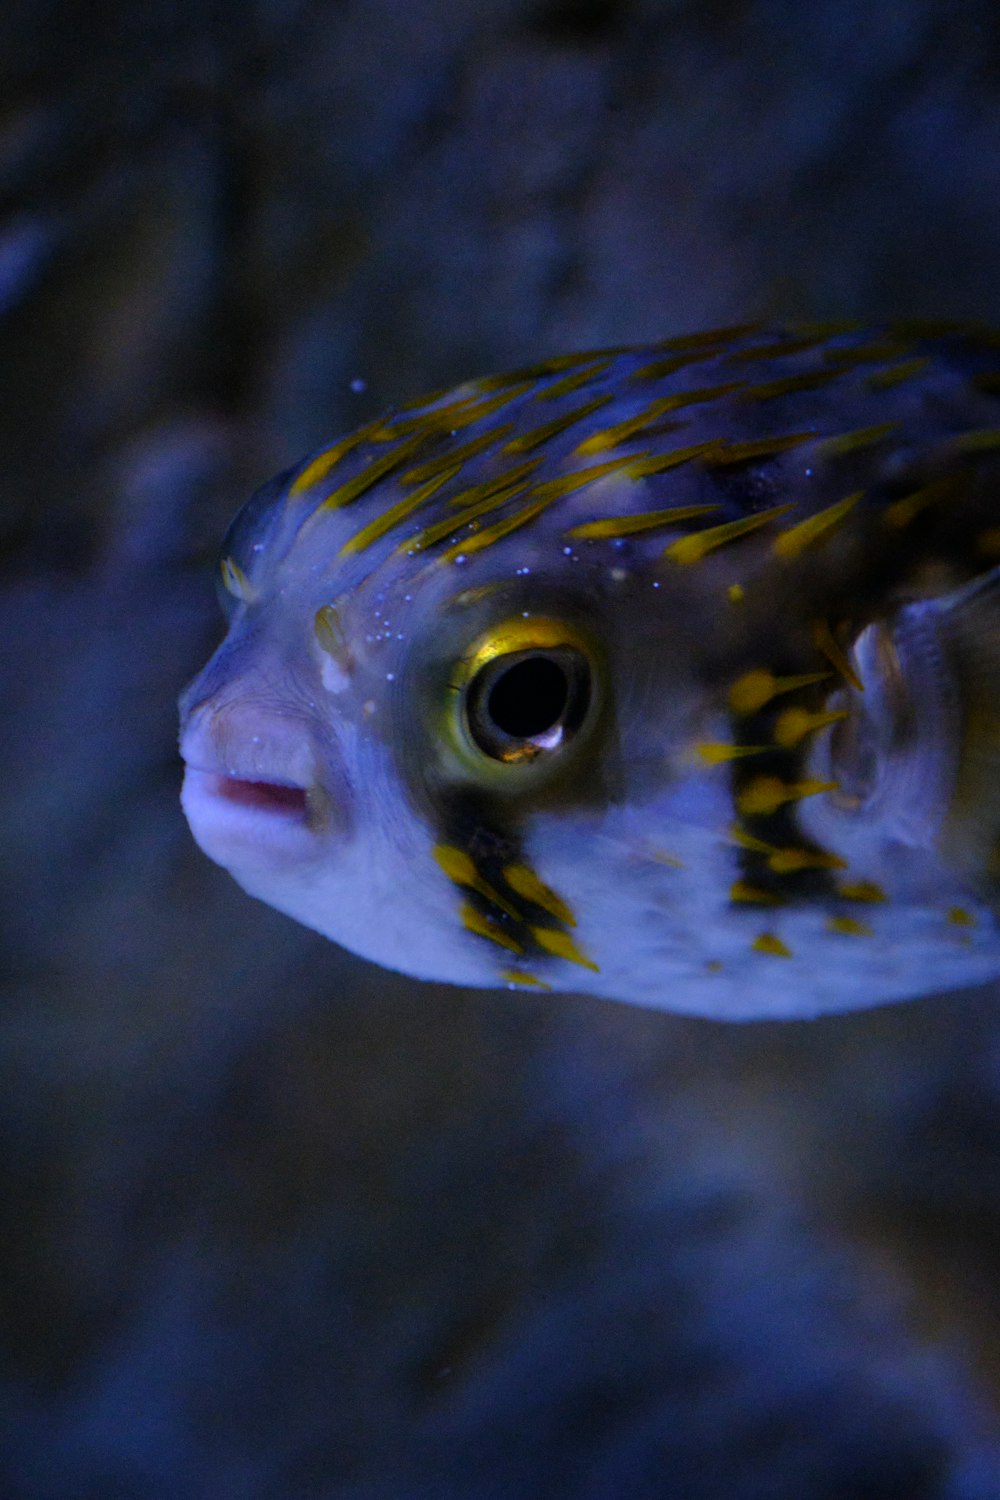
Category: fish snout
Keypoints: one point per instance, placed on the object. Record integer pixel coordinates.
(256, 788)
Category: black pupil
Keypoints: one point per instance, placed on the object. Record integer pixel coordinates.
(529, 698)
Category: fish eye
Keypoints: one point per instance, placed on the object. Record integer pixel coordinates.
(527, 699)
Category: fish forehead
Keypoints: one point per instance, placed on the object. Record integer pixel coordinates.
(592, 447)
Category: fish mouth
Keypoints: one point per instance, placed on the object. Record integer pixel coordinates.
(276, 798)
(248, 824)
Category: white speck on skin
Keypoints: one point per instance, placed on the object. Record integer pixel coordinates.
(333, 676)
(619, 575)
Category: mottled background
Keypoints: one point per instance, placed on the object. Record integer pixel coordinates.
(276, 1225)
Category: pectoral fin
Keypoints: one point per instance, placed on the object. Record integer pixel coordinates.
(969, 632)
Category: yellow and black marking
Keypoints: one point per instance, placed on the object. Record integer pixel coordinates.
(711, 338)
(757, 687)
(639, 521)
(692, 549)
(485, 926)
(794, 724)
(809, 380)
(780, 348)
(754, 895)
(523, 979)
(477, 501)
(845, 443)
(906, 369)
(901, 513)
(587, 365)
(868, 891)
(722, 452)
(765, 795)
(795, 540)
(318, 468)
(770, 943)
(628, 427)
(522, 879)
(504, 479)
(718, 752)
(848, 926)
(875, 352)
(235, 581)
(391, 517)
(455, 415)
(539, 498)
(642, 465)
(792, 861)
(780, 710)
(812, 434)
(659, 369)
(570, 383)
(374, 472)
(561, 944)
(984, 440)
(501, 899)
(330, 634)
(526, 442)
(454, 455)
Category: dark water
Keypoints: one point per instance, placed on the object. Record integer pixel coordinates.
(276, 1224)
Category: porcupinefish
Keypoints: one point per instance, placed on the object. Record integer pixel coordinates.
(668, 674)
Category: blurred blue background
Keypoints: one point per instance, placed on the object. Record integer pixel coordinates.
(277, 1225)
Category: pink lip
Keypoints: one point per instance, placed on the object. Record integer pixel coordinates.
(263, 796)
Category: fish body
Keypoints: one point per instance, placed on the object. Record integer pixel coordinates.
(668, 674)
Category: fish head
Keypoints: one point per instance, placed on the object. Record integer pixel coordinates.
(381, 746)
